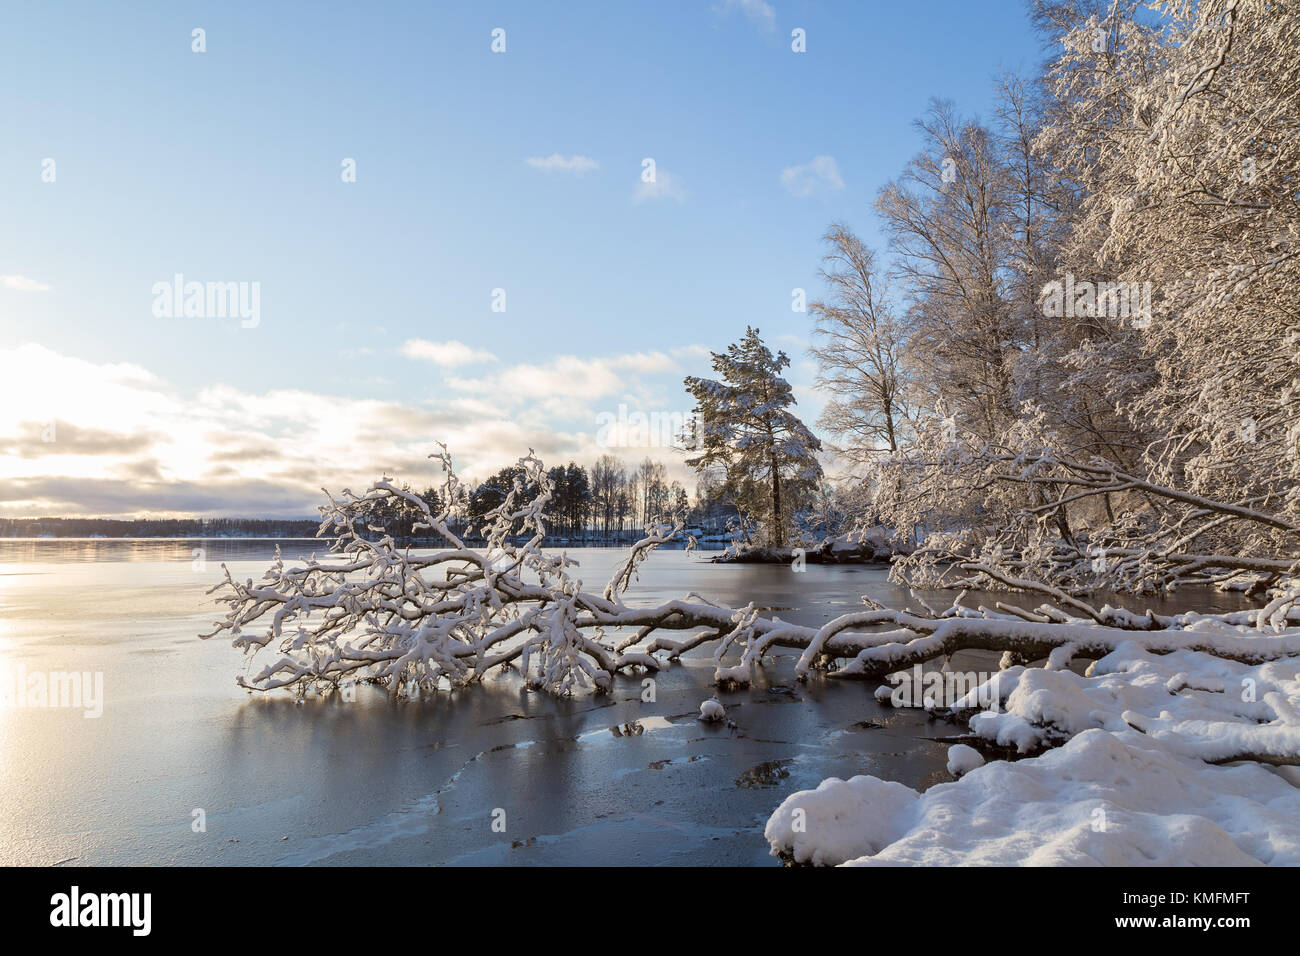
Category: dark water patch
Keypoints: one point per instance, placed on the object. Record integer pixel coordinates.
(766, 774)
(767, 740)
(670, 762)
(780, 699)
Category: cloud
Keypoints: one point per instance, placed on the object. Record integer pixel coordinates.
(820, 175)
(563, 386)
(447, 353)
(35, 439)
(759, 12)
(22, 284)
(113, 439)
(57, 496)
(665, 186)
(692, 351)
(576, 164)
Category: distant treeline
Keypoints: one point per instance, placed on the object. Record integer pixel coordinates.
(157, 528)
(609, 504)
(399, 527)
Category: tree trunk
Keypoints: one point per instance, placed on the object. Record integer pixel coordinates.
(778, 526)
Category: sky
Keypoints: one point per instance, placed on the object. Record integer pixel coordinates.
(434, 240)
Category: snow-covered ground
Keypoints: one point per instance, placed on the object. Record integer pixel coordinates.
(1117, 799)
(1144, 773)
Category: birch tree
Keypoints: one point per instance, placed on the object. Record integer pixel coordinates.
(945, 216)
(860, 343)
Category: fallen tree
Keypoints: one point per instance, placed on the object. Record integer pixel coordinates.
(371, 611)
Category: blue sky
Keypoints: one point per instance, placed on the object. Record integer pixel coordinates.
(225, 166)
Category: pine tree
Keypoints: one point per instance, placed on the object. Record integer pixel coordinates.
(744, 425)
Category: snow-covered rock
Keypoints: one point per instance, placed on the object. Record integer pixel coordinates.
(712, 710)
(841, 820)
(963, 759)
(1196, 703)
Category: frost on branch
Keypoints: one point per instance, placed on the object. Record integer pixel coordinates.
(371, 611)
(1024, 511)
(1165, 701)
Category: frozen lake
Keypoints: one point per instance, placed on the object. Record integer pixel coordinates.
(588, 780)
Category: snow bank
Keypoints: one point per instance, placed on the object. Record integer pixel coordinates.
(870, 546)
(1101, 799)
(1131, 780)
(1197, 704)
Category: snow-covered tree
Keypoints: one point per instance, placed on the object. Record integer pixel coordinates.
(1181, 130)
(859, 345)
(1101, 309)
(947, 220)
(373, 611)
(746, 426)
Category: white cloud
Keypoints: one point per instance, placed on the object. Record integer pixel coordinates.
(22, 284)
(565, 385)
(643, 362)
(665, 186)
(759, 12)
(692, 351)
(447, 353)
(576, 164)
(822, 174)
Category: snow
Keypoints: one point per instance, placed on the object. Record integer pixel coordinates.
(963, 759)
(1129, 762)
(841, 820)
(1101, 799)
(712, 710)
(1224, 708)
(1146, 759)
